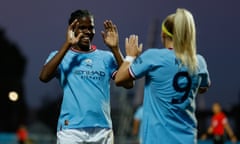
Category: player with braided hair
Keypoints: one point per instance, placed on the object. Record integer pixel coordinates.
(84, 73)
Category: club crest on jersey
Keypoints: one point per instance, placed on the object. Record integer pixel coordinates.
(88, 62)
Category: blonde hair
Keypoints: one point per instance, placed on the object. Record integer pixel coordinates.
(184, 39)
(180, 27)
(167, 25)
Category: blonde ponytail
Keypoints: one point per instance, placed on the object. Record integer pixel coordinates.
(184, 39)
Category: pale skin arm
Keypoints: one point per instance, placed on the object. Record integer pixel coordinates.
(136, 125)
(133, 49)
(49, 70)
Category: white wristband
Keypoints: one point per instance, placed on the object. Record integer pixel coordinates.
(129, 59)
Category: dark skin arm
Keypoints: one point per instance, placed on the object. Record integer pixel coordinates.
(111, 39)
(136, 125)
(202, 90)
(49, 70)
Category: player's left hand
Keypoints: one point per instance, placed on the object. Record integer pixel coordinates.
(110, 34)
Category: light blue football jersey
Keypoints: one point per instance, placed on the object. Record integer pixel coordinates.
(138, 115)
(85, 80)
(169, 96)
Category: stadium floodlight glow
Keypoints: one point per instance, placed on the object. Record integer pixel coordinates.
(13, 96)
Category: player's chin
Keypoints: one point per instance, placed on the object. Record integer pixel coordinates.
(84, 42)
(84, 45)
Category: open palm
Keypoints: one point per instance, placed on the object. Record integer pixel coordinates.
(110, 34)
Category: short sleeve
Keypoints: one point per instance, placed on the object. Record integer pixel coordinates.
(50, 56)
(141, 65)
(203, 72)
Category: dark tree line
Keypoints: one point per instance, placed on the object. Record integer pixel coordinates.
(12, 64)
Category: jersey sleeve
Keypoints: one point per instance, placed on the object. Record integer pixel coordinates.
(141, 65)
(112, 65)
(139, 113)
(203, 72)
(50, 56)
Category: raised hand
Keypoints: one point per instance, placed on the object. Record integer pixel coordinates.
(132, 47)
(71, 37)
(110, 34)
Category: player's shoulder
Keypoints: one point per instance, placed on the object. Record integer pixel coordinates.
(156, 51)
(200, 56)
(152, 54)
(222, 114)
(201, 59)
(53, 53)
(102, 51)
(105, 55)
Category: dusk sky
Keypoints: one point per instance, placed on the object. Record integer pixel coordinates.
(38, 27)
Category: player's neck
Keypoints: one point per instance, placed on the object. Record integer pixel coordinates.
(78, 49)
(167, 42)
(83, 49)
(169, 45)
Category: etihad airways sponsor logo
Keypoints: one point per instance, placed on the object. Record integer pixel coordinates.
(90, 74)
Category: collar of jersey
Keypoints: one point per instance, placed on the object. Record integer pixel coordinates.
(93, 48)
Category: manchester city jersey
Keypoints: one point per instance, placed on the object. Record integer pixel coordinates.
(84, 78)
(169, 96)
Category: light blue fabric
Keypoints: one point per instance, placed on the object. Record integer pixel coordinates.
(138, 115)
(84, 78)
(169, 97)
